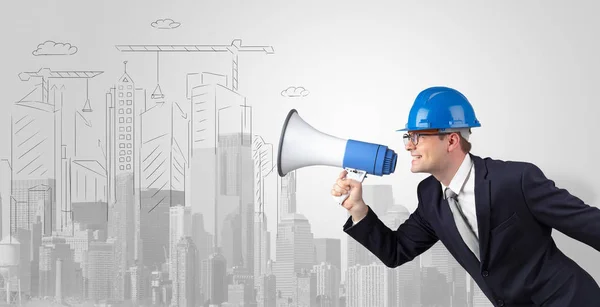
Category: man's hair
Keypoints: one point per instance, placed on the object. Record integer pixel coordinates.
(464, 144)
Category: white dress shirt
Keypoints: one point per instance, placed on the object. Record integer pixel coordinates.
(463, 184)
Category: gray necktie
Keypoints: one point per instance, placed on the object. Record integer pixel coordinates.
(464, 228)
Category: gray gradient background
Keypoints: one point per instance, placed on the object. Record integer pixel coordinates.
(530, 69)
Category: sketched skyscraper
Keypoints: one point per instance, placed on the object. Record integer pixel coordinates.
(33, 152)
(32, 134)
(48, 146)
(120, 125)
(163, 166)
(215, 110)
(221, 160)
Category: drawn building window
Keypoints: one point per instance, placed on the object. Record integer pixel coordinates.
(128, 94)
(128, 110)
(122, 152)
(120, 87)
(121, 119)
(121, 136)
(121, 102)
(128, 102)
(128, 159)
(120, 94)
(129, 152)
(129, 86)
(128, 120)
(129, 145)
(122, 145)
(120, 111)
(128, 128)
(128, 166)
(129, 137)
(122, 159)
(121, 129)
(122, 167)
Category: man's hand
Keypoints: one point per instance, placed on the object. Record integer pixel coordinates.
(354, 203)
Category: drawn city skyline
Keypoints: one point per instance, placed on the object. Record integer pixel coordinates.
(136, 209)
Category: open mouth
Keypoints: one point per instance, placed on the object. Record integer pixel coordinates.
(416, 157)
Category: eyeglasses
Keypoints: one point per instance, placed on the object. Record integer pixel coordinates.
(414, 137)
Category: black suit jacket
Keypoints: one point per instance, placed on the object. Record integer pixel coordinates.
(517, 207)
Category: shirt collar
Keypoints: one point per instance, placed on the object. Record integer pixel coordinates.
(459, 179)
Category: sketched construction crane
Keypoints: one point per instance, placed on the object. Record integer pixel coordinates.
(46, 74)
(233, 49)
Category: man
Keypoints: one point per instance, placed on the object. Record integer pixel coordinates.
(495, 217)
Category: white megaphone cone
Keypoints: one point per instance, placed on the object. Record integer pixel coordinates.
(301, 145)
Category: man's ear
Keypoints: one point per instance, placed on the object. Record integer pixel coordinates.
(454, 139)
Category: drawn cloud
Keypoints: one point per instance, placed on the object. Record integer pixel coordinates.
(293, 91)
(54, 48)
(165, 24)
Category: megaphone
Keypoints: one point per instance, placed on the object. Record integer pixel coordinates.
(302, 145)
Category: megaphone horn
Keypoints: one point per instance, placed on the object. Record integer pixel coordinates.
(302, 145)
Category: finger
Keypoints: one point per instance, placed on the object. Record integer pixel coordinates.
(343, 183)
(343, 174)
(341, 186)
(336, 193)
(339, 189)
(343, 190)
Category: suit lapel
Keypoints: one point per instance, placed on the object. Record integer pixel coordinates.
(482, 204)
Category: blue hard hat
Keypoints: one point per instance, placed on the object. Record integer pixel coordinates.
(440, 108)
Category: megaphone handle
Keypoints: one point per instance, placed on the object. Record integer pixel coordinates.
(358, 175)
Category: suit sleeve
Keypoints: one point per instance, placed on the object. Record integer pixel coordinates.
(557, 208)
(393, 248)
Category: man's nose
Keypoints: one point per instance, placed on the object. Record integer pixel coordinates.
(409, 146)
